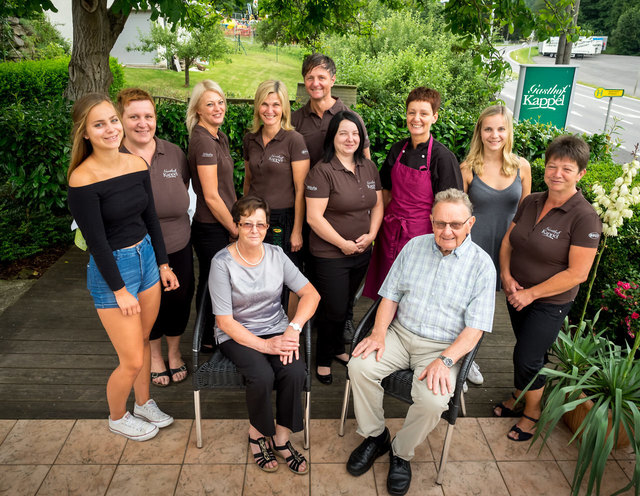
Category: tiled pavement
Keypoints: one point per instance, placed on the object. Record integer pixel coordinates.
(81, 457)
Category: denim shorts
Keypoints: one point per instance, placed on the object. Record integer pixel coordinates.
(138, 268)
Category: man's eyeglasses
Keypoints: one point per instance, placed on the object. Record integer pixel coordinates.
(248, 226)
(455, 226)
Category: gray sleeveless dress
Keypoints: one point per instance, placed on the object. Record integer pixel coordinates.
(494, 210)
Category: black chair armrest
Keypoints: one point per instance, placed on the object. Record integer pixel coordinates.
(306, 331)
(366, 324)
(451, 414)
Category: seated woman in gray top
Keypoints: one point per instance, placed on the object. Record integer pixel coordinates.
(252, 329)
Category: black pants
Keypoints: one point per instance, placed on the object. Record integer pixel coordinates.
(208, 239)
(262, 372)
(175, 305)
(279, 233)
(536, 327)
(337, 280)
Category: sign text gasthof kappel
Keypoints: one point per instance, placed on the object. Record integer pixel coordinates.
(539, 97)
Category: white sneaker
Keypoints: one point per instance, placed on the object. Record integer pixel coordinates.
(475, 376)
(133, 428)
(465, 388)
(152, 414)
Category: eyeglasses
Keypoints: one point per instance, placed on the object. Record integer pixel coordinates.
(455, 226)
(248, 226)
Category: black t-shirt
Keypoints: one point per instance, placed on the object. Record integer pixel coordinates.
(445, 170)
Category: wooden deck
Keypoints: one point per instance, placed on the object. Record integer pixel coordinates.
(55, 359)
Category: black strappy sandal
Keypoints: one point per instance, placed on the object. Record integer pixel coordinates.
(294, 460)
(505, 411)
(264, 456)
(522, 435)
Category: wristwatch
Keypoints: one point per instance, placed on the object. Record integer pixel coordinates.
(447, 361)
(295, 327)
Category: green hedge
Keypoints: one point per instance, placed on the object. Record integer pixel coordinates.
(41, 80)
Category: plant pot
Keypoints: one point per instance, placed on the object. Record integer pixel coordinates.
(574, 419)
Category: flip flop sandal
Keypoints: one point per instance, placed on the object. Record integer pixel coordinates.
(294, 460)
(505, 411)
(522, 435)
(156, 375)
(182, 368)
(264, 456)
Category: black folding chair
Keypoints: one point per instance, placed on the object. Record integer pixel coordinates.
(220, 373)
(399, 384)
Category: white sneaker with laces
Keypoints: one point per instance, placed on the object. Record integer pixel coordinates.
(475, 376)
(152, 414)
(133, 428)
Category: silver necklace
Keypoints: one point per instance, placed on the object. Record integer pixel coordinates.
(247, 261)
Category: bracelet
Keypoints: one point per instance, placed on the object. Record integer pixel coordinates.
(166, 268)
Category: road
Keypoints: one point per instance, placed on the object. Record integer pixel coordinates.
(588, 112)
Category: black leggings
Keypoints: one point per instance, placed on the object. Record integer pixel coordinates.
(175, 305)
(208, 239)
(262, 372)
(337, 281)
(536, 327)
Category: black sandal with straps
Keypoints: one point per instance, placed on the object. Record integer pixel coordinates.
(522, 435)
(294, 460)
(265, 455)
(505, 411)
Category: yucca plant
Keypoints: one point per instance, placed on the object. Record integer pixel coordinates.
(590, 367)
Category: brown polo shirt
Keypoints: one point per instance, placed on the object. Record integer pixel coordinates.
(169, 172)
(542, 250)
(205, 149)
(314, 128)
(351, 198)
(270, 166)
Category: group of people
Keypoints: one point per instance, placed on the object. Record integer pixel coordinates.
(435, 240)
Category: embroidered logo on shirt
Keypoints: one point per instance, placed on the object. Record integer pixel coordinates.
(594, 235)
(305, 152)
(551, 233)
(312, 188)
(276, 159)
(170, 173)
(371, 184)
(207, 154)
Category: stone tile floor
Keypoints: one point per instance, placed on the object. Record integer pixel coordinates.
(81, 457)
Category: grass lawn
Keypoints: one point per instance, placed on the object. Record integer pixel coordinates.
(522, 56)
(238, 78)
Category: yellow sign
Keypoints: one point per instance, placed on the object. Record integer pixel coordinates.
(601, 93)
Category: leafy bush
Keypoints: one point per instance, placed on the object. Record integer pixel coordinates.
(34, 144)
(43, 80)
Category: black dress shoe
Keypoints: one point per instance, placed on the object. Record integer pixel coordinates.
(324, 379)
(399, 478)
(364, 455)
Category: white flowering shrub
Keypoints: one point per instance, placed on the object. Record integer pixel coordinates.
(614, 207)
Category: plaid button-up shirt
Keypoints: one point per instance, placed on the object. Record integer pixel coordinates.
(438, 296)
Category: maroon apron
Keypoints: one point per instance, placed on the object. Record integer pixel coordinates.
(406, 217)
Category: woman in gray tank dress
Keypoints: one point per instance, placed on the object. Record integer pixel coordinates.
(496, 180)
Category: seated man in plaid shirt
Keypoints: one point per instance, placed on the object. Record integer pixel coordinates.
(437, 300)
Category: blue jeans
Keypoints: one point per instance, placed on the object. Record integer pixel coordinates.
(138, 268)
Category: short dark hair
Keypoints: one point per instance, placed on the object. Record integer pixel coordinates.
(424, 94)
(318, 59)
(332, 130)
(247, 205)
(571, 147)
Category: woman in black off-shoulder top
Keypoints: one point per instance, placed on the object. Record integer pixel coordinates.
(111, 200)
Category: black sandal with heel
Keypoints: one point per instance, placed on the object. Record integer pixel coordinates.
(264, 456)
(505, 411)
(522, 435)
(294, 460)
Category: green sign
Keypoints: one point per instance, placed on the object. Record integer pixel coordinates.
(545, 94)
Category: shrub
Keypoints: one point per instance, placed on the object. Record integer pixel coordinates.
(43, 80)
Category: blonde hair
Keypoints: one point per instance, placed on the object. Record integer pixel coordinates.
(196, 95)
(263, 91)
(475, 158)
(128, 95)
(81, 147)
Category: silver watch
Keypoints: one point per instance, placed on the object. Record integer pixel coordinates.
(295, 327)
(447, 361)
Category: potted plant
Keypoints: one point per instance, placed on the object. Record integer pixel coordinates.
(588, 367)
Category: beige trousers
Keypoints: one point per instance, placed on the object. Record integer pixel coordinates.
(403, 350)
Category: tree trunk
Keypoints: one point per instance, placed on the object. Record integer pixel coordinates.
(187, 64)
(563, 55)
(95, 31)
